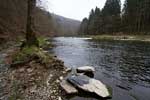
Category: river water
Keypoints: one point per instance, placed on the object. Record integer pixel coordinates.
(122, 65)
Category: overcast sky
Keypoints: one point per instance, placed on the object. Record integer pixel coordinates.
(76, 9)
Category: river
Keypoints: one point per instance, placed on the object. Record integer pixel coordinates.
(122, 65)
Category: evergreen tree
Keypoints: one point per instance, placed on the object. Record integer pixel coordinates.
(96, 21)
(111, 16)
(90, 26)
(129, 16)
(83, 27)
(112, 7)
(136, 16)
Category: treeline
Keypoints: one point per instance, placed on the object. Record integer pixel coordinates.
(134, 18)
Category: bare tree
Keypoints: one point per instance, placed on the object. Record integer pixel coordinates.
(31, 39)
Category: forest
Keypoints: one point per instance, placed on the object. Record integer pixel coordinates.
(132, 19)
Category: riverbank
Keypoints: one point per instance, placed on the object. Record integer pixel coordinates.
(34, 79)
(122, 37)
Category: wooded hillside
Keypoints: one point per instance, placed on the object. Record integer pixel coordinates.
(13, 21)
(65, 26)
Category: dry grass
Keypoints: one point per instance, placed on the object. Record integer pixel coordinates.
(122, 37)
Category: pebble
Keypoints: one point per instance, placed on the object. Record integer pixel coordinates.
(29, 70)
(54, 91)
(57, 81)
(50, 75)
(45, 51)
(21, 70)
(61, 78)
(59, 98)
(64, 72)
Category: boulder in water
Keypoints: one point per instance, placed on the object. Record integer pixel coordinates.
(90, 85)
(86, 70)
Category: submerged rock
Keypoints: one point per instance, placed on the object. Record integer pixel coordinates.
(124, 87)
(90, 85)
(69, 89)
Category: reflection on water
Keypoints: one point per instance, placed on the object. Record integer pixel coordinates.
(123, 65)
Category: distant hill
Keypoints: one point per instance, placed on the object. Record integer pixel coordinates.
(13, 15)
(65, 26)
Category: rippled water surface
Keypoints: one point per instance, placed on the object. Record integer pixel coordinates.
(122, 65)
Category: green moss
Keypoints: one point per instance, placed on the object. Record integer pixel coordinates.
(43, 41)
(44, 57)
(25, 53)
(1, 61)
(29, 52)
(110, 90)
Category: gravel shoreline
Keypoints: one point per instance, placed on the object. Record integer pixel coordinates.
(31, 81)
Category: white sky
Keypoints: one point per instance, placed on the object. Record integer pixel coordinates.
(75, 9)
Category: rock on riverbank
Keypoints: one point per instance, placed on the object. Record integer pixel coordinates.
(90, 85)
(78, 81)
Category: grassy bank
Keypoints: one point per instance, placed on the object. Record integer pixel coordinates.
(122, 37)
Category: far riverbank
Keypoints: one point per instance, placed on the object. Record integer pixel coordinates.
(122, 37)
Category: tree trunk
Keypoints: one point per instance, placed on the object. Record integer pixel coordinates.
(31, 39)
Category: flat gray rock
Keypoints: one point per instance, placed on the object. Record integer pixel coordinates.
(68, 87)
(90, 85)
